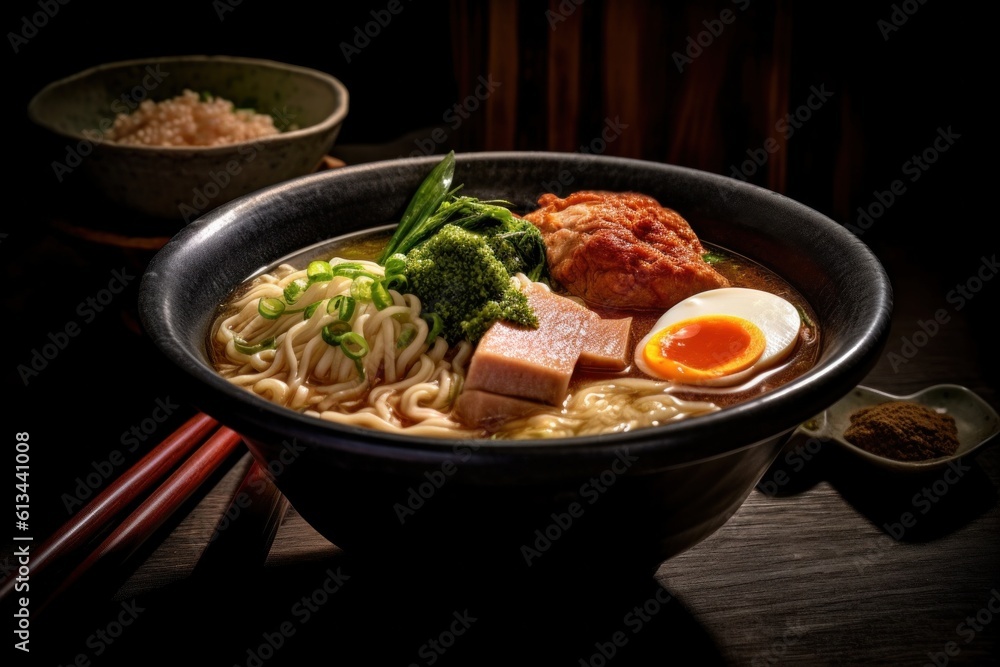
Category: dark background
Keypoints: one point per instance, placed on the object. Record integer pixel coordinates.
(890, 97)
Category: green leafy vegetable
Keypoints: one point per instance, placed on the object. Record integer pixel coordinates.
(458, 255)
(428, 197)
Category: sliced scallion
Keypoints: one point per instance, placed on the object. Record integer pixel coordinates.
(361, 288)
(270, 308)
(380, 295)
(294, 290)
(354, 345)
(245, 348)
(342, 306)
(310, 310)
(398, 282)
(333, 333)
(436, 325)
(319, 272)
(352, 270)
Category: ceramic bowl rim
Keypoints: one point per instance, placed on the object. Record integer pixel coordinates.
(807, 394)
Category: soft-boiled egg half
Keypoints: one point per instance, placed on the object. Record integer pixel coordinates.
(720, 337)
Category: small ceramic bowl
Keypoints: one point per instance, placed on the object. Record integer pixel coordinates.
(977, 422)
(176, 182)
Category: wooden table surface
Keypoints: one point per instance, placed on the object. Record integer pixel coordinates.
(815, 571)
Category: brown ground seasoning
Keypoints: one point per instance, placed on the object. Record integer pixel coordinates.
(903, 431)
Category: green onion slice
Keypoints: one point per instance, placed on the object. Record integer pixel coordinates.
(319, 272)
(361, 288)
(380, 295)
(713, 257)
(310, 310)
(270, 308)
(342, 306)
(294, 290)
(354, 345)
(334, 332)
(436, 325)
(246, 348)
(398, 282)
(352, 270)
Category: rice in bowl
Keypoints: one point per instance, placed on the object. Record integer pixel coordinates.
(190, 120)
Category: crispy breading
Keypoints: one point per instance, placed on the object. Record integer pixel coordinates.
(622, 249)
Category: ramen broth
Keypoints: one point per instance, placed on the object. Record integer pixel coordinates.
(741, 271)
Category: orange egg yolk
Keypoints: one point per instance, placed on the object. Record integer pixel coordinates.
(704, 348)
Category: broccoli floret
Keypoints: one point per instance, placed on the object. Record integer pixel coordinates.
(456, 275)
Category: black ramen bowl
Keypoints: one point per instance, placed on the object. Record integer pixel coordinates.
(540, 506)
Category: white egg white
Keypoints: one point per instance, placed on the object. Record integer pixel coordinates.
(777, 318)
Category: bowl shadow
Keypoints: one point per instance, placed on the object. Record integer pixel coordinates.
(352, 612)
(914, 507)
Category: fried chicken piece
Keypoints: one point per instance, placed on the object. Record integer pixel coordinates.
(622, 249)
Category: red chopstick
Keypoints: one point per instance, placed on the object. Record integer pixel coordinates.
(135, 482)
(157, 508)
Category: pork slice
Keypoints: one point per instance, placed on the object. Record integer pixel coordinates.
(488, 410)
(537, 364)
(534, 364)
(606, 345)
